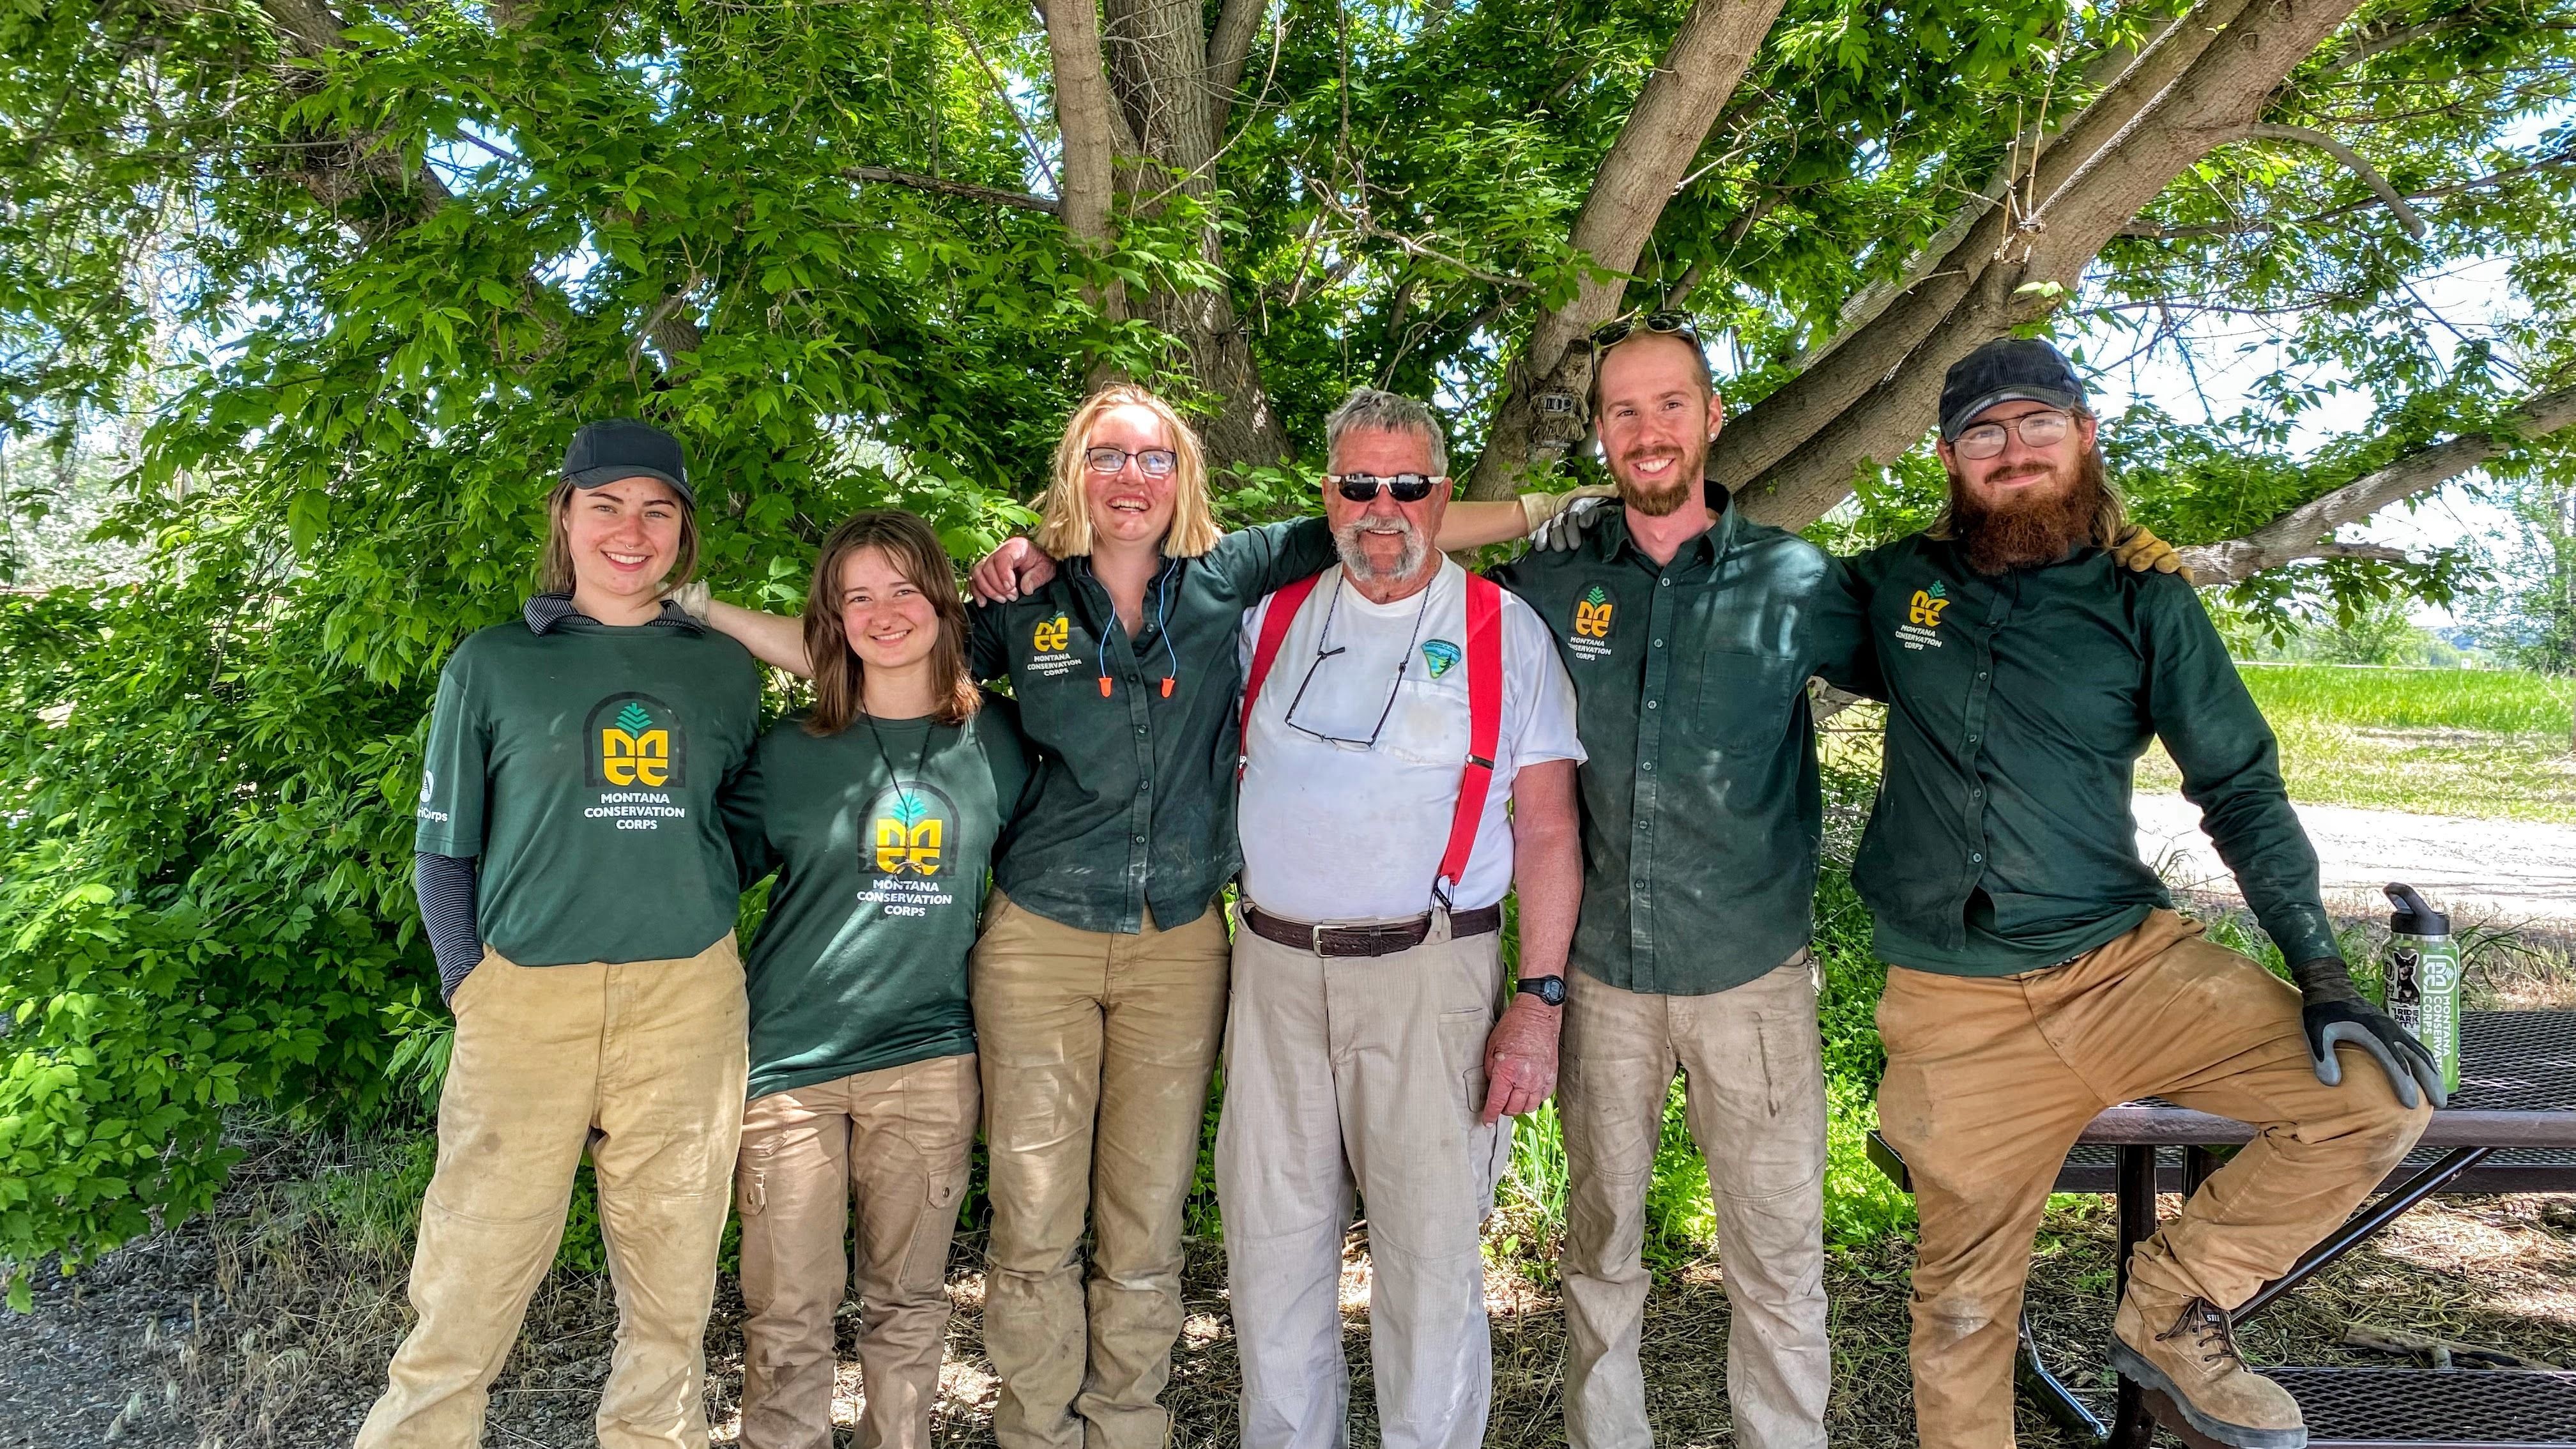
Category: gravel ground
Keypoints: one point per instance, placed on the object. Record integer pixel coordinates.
(268, 1323)
(2499, 870)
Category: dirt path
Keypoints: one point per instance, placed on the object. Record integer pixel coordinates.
(2485, 870)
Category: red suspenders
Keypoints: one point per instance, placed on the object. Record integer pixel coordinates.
(1484, 706)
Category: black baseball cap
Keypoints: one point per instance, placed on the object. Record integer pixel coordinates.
(2008, 369)
(614, 448)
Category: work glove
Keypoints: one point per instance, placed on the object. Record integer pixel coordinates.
(1557, 521)
(2334, 1013)
(692, 598)
(2138, 551)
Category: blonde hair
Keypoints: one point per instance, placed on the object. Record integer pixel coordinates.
(554, 566)
(1064, 527)
(839, 673)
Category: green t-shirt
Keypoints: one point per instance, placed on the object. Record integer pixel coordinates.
(583, 765)
(861, 962)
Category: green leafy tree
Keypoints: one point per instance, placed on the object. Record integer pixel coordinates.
(363, 264)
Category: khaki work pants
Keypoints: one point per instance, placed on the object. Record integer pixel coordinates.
(1755, 1086)
(1097, 1048)
(1364, 1072)
(645, 1062)
(1990, 1081)
(896, 1141)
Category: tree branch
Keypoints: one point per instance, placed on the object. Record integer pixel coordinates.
(1229, 50)
(2152, 232)
(971, 191)
(1680, 101)
(2352, 162)
(2305, 531)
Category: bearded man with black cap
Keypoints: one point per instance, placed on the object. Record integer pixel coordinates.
(2038, 971)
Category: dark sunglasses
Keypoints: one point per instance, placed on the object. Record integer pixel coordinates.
(1363, 487)
(1610, 334)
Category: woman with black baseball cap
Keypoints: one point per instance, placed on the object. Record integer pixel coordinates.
(579, 892)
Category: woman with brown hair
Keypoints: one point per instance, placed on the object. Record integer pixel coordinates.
(879, 808)
(579, 893)
(1100, 981)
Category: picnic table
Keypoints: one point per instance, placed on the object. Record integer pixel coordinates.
(2511, 1127)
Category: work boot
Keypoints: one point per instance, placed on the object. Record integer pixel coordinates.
(2193, 1362)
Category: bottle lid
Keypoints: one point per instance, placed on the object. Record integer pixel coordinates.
(2412, 917)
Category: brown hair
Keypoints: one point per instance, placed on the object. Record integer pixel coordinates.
(839, 674)
(1064, 528)
(554, 566)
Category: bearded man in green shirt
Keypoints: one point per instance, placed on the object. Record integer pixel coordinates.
(2038, 972)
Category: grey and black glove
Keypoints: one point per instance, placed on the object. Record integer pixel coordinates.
(1581, 508)
(2335, 1013)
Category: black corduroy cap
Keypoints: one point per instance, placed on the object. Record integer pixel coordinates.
(2008, 369)
(614, 448)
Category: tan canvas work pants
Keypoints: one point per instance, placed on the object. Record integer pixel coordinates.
(645, 1062)
(1364, 1072)
(896, 1141)
(1990, 1080)
(1755, 1086)
(1097, 1049)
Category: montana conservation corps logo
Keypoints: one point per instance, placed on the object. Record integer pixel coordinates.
(1441, 655)
(1048, 643)
(910, 828)
(636, 743)
(1592, 615)
(1923, 617)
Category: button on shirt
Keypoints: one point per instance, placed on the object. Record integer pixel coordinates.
(1701, 808)
(2003, 839)
(1133, 806)
(1355, 831)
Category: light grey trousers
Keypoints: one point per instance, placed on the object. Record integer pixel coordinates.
(1755, 1087)
(1366, 1073)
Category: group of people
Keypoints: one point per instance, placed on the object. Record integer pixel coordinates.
(1376, 747)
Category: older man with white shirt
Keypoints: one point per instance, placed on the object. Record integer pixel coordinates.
(1409, 756)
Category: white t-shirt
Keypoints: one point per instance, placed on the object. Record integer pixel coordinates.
(1347, 832)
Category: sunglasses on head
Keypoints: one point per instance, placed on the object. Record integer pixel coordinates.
(1673, 324)
(1404, 487)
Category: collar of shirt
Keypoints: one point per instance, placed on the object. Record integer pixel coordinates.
(544, 611)
(1705, 547)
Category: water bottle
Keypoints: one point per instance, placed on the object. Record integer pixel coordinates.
(2424, 978)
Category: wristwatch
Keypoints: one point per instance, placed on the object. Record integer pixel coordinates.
(1549, 989)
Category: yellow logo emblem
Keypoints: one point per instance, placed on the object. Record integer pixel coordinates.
(908, 845)
(1925, 609)
(1053, 634)
(633, 750)
(1592, 613)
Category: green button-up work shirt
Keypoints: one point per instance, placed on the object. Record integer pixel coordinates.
(1701, 810)
(1133, 806)
(2003, 840)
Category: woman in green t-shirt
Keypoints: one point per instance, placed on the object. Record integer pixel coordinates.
(579, 893)
(880, 809)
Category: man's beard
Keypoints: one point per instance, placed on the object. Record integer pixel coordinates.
(1668, 496)
(1346, 542)
(2036, 526)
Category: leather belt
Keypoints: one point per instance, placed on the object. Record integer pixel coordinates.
(1379, 940)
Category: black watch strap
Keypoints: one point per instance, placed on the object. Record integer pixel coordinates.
(1550, 989)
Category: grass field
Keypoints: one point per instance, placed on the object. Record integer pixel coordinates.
(2482, 743)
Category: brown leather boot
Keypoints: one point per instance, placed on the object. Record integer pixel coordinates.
(2193, 1362)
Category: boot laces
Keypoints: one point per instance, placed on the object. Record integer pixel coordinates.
(2209, 1329)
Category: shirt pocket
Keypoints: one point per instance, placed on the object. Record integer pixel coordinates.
(1427, 724)
(1747, 701)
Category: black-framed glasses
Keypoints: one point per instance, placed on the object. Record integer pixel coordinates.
(1619, 329)
(1325, 649)
(1406, 487)
(1152, 462)
(2036, 430)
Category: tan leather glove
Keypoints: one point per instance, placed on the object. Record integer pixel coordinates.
(1546, 514)
(2138, 551)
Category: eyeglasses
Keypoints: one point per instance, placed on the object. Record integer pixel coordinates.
(1325, 649)
(1672, 324)
(1152, 462)
(1406, 487)
(2037, 430)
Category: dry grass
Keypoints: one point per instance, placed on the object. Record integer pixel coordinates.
(297, 1304)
